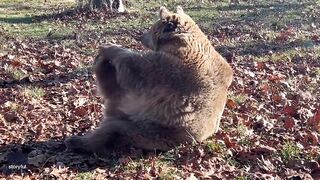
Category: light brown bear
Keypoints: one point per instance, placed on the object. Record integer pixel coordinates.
(172, 94)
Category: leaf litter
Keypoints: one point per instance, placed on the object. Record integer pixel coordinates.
(269, 130)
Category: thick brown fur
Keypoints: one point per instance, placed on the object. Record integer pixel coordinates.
(158, 99)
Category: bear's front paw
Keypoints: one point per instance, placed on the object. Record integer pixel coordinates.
(75, 143)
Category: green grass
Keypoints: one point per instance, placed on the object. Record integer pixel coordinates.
(85, 176)
(34, 92)
(233, 162)
(13, 106)
(17, 18)
(205, 17)
(168, 173)
(289, 54)
(317, 71)
(14, 72)
(242, 130)
(37, 30)
(238, 98)
(244, 135)
(167, 157)
(20, 11)
(215, 146)
(290, 151)
(244, 178)
(165, 162)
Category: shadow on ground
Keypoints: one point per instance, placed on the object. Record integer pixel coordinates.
(234, 21)
(261, 48)
(18, 20)
(36, 156)
(268, 15)
(50, 80)
(72, 14)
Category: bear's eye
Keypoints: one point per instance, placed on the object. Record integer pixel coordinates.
(170, 27)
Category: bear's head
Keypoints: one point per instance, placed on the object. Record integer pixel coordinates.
(173, 31)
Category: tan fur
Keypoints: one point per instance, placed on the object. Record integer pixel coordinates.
(174, 93)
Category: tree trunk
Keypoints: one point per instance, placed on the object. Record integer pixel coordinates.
(105, 4)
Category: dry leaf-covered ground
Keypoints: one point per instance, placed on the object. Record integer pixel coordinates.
(270, 128)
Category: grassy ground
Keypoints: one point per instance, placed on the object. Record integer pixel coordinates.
(270, 127)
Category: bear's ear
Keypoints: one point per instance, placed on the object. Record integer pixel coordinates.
(163, 13)
(180, 10)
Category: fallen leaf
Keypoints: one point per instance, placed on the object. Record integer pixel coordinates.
(289, 123)
(290, 110)
(231, 104)
(311, 138)
(314, 122)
